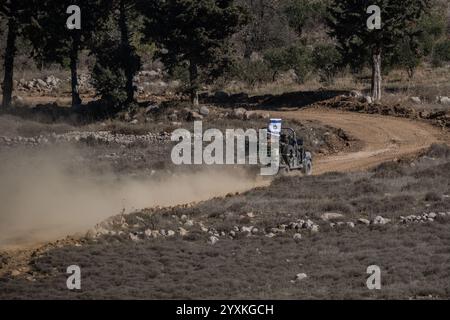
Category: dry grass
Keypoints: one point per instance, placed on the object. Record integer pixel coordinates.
(414, 258)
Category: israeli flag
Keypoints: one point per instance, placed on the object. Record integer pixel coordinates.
(275, 127)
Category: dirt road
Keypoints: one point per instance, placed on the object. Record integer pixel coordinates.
(384, 138)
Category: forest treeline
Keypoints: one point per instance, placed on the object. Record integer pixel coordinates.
(200, 40)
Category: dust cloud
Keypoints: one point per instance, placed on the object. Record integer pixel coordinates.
(44, 196)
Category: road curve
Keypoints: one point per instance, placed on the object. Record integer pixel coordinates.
(383, 138)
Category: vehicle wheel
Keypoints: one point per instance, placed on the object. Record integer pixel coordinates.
(307, 168)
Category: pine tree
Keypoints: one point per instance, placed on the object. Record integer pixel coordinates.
(53, 42)
(117, 58)
(359, 44)
(192, 32)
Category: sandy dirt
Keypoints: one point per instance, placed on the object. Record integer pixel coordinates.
(383, 138)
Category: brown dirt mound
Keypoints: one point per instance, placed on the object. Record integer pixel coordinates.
(438, 118)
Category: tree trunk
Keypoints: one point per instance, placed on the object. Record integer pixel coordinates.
(376, 74)
(125, 40)
(10, 53)
(76, 100)
(193, 79)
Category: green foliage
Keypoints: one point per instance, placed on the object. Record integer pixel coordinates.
(301, 59)
(278, 60)
(418, 42)
(441, 53)
(110, 84)
(406, 56)
(252, 72)
(348, 23)
(300, 13)
(52, 41)
(192, 32)
(326, 60)
(430, 28)
(109, 75)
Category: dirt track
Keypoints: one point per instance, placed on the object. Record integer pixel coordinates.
(384, 138)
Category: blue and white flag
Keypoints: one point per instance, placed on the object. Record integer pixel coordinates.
(275, 127)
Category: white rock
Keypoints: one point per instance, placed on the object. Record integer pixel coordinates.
(134, 237)
(41, 83)
(297, 237)
(239, 113)
(301, 276)
(415, 100)
(170, 233)
(15, 273)
(189, 223)
(327, 216)
(183, 232)
(270, 235)
(380, 220)
(443, 100)
(247, 229)
(315, 228)
(364, 221)
(213, 240)
(350, 224)
(432, 215)
(204, 111)
(355, 94)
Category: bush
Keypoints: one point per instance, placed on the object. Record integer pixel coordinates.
(405, 56)
(441, 53)
(298, 58)
(432, 197)
(278, 61)
(326, 60)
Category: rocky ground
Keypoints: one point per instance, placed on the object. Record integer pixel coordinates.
(357, 102)
(145, 81)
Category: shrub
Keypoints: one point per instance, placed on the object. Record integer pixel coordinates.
(278, 61)
(108, 75)
(297, 57)
(441, 53)
(432, 197)
(326, 60)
